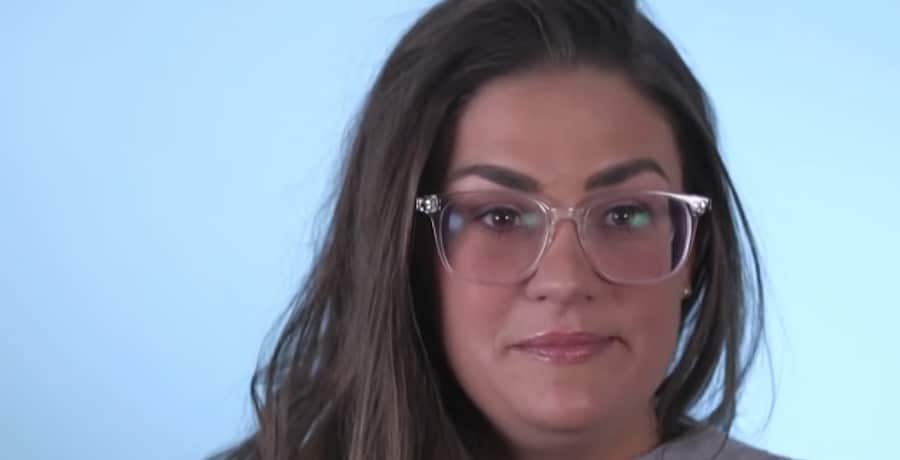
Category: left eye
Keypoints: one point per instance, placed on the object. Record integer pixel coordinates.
(631, 216)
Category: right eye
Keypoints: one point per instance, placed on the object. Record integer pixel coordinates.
(500, 218)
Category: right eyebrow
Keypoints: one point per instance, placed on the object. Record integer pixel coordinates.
(499, 175)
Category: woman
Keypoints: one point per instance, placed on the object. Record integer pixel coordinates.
(535, 253)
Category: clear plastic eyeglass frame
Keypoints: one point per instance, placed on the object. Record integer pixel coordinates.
(433, 205)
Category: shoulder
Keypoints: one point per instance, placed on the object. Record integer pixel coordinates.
(708, 443)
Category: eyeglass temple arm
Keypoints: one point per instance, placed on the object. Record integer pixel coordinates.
(699, 205)
(428, 204)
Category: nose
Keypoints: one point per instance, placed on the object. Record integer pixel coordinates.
(564, 275)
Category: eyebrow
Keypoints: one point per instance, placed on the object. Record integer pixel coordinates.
(498, 175)
(621, 172)
(607, 177)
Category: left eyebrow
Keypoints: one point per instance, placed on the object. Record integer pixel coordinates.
(623, 171)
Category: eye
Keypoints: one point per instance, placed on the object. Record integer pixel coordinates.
(500, 217)
(631, 216)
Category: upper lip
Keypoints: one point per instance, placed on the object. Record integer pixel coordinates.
(563, 339)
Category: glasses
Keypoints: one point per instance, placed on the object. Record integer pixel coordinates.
(499, 237)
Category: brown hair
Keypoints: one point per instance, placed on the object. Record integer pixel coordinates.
(358, 370)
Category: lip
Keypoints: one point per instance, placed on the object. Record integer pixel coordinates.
(565, 347)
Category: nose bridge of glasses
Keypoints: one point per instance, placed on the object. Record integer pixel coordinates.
(558, 215)
(573, 241)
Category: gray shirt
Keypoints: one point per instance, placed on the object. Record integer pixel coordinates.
(708, 444)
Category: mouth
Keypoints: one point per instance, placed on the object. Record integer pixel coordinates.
(565, 347)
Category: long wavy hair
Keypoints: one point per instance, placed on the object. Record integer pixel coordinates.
(358, 370)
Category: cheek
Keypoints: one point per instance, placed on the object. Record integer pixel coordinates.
(472, 318)
(652, 323)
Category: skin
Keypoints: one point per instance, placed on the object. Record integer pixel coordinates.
(560, 127)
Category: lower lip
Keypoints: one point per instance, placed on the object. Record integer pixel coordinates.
(567, 354)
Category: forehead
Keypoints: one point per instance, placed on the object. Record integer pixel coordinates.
(560, 127)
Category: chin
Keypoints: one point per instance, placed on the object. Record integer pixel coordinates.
(569, 416)
(549, 429)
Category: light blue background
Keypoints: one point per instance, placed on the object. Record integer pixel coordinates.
(161, 164)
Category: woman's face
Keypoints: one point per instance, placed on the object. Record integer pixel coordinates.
(551, 131)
